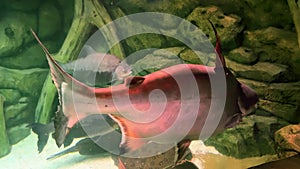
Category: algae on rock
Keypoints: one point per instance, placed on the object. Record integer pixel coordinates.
(243, 55)
(27, 81)
(288, 112)
(87, 14)
(228, 26)
(288, 138)
(295, 11)
(4, 142)
(261, 71)
(252, 137)
(257, 14)
(14, 32)
(179, 8)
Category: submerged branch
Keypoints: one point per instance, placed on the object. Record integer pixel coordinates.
(295, 11)
(4, 141)
(87, 14)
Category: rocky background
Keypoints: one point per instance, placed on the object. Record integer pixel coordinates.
(23, 67)
(259, 41)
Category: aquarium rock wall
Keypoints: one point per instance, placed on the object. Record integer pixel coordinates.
(259, 40)
(23, 66)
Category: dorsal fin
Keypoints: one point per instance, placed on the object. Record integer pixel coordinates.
(134, 81)
(218, 49)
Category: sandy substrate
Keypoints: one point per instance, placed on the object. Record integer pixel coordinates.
(24, 155)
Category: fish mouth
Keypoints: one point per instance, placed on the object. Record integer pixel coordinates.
(236, 119)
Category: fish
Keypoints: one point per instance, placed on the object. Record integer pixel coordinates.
(97, 69)
(89, 146)
(43, 131)
(78, 100)
(92, 126)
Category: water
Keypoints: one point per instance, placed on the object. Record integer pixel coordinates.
(24, 155)
(260, 32)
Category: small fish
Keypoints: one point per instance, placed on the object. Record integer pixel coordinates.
(97, 69)
(75, 95)
(89, 146)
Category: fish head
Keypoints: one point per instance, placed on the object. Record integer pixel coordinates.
(122, 71)
(245, 101)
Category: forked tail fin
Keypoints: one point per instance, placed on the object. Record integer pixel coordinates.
(61, 78)
(57, 73)
(218, 49)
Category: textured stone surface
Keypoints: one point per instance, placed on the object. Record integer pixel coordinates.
(13, 111)
(284, 92)
(242, 55)
(15, 31)
(261, 71)
(257, 14)
(196, 57)
(67, 7)
(31, 57)
(177, 7)
(4, 142)
(287, 112)
(228, 26)
(21, 112)
(278, 92)
(295, 63)
(253, 137)
(144, 41)
(11, 95)
(159, 59)
(18, 133)
(27, 81)
(273, 44)
(288, 137)
(278, 99)
(23, 5)
(49, 19)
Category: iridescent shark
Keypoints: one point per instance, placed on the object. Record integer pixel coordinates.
(142, 119)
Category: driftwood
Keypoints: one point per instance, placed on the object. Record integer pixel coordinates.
(295, 11)
(87, 14)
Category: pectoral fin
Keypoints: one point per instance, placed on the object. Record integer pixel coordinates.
(131, 140)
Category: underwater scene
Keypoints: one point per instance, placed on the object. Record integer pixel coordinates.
(150, 84)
